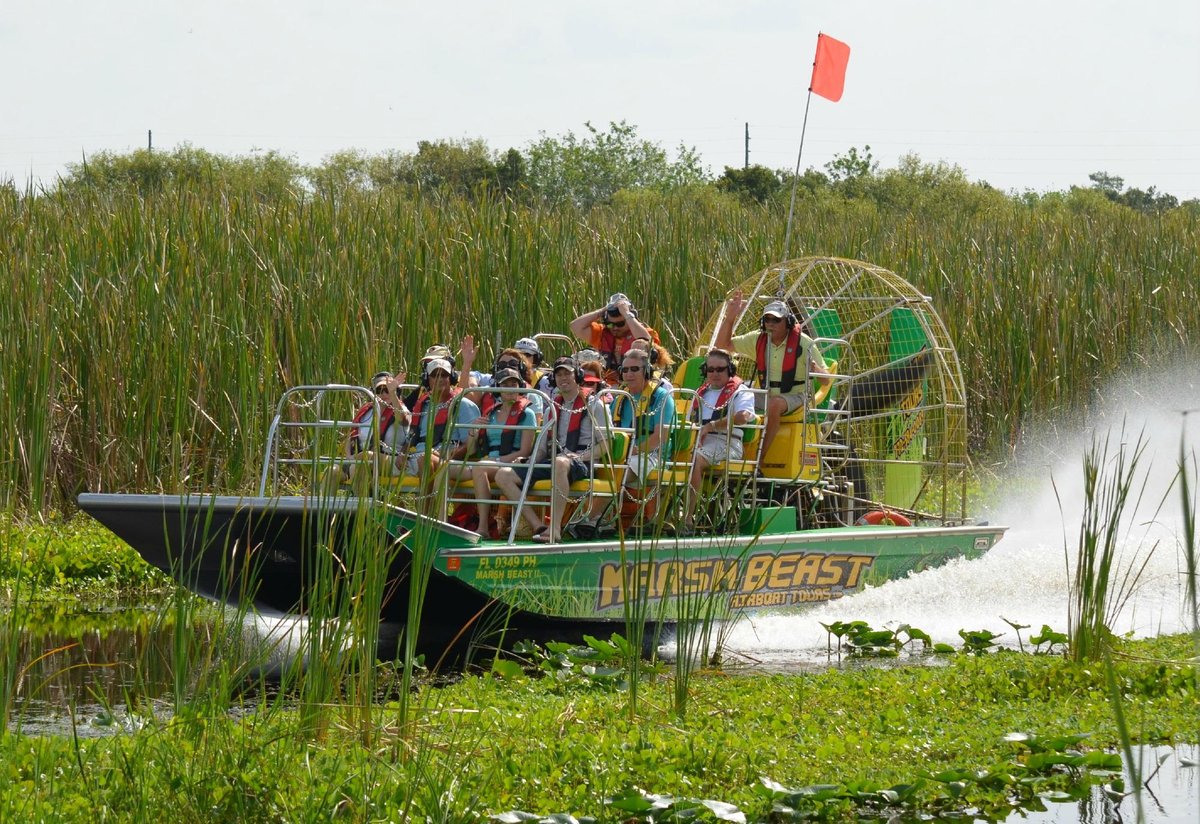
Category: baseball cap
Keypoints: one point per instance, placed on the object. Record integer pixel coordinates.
(438, 363)
(777, 308)
(437, 351)
(380, 377)
(527, 345)
(565, 363)
(503, 375)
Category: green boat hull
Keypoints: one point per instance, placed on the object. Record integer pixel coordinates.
(723, 576)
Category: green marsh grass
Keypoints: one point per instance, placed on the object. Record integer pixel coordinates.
(144, 341)
(1100, 587)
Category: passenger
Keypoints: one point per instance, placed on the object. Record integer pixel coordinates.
(610, 331)
(497, 445)
(783, 356)
(660, 359)
(361, 446)
(723, 404)
(581, 437)
(431, 445)
(539, 374)
(590, 362)
(436, 351)
(650, 414)
(511, 358)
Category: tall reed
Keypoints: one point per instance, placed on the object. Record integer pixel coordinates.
(143, 341)
(1100, 586)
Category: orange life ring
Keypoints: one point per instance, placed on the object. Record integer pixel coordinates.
(882, 517)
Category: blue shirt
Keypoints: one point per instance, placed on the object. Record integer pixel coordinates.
(660, 411)
(495, 431)
(466, 412)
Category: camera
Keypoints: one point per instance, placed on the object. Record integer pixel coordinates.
(612, 311)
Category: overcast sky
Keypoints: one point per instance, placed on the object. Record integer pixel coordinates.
(1024, 95)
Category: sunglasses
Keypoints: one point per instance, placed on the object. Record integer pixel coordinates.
(382, 390)
(616, 325)
(708, 370)
(625, 369)
(771, 319)
(508, 364)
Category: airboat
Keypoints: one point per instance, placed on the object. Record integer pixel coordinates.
(866, 484)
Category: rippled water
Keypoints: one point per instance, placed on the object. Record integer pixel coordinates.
(1171, 794)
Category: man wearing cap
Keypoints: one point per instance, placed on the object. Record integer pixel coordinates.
(432, 439)
(581, 436)
(611, 331)
(783, 355)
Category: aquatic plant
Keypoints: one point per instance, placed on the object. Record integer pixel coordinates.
(1100, 588)
(145, 339)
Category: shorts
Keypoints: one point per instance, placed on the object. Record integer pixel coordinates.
(641, 464)
(716, 448)
(795, 400)
(578, 471)
(417, 461)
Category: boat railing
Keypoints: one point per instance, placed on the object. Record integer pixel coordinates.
(605, 474)
(456, 481)
(305, 410)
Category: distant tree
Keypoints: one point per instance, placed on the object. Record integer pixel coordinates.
(852, 166)
(457, 165)
(340, 171)
(757, 183)
(1109, 185)
(590, 170)
(269, 174)
(511, 171)
(1147, 201)
(938, 188)
(1191, 207)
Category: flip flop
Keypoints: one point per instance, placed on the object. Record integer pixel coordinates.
(540, 530)
(543, 537)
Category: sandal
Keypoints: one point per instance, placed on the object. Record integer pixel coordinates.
(541, 529)
(543, 537)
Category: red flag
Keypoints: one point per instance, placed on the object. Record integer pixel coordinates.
(829, 68)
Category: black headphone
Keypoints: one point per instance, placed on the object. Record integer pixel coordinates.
(721, 353)
(522, 367)
(652, 353)
(578, 372)
(453, 375)
(789, 319)
(651, 371)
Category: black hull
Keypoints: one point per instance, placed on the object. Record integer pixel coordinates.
(264, 555)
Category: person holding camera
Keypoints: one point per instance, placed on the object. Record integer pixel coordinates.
(611, 331)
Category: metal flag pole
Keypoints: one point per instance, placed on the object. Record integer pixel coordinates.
(787, 237)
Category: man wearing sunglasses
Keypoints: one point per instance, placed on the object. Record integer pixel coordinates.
(723, 405)
(784, 358)
(650, 413)
(611, 331)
